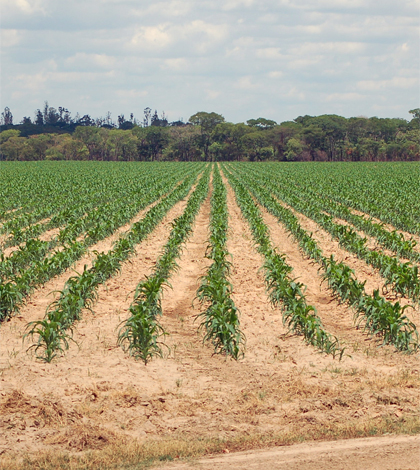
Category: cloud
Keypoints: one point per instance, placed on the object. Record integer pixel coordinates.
(393, 83)
(9, 37)
(241, 58)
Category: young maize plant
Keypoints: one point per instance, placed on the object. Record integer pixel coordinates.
(220, 320)
(139, 333)
(391, 240)
(80, 291)
(388, 192)
(283, 290)
(402, 278)
(17, 282)
(382, 318)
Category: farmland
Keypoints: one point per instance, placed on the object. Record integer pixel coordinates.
(156, 310)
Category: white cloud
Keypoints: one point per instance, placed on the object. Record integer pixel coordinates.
(30, 6)
(83, 60)
(9, 37)
(152, 37)
(345, 97)
(396, 82)
(242, 58)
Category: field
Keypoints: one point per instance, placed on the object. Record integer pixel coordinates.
(157, 311)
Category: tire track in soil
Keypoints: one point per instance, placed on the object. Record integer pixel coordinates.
(363, 271)
(380, 453)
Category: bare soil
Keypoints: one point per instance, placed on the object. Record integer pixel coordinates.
(383, 453)
(363, 271)
(98, 406)
(390, 227)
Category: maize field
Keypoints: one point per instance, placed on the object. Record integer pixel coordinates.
(237, 303)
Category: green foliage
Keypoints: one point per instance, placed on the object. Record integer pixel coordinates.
(80, 291)
(220, 320)
(382, 318)
(283, 290)
(139, 333)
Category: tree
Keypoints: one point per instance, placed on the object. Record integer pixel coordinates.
(121, 145)
(183, 143)
(85, 120)
(147, 114)
(94, 139)
(279, 135)
(26, 121)
(313, 137)
(151, 141)
(160, 122)
(6, 117)
(261, 123)
(294, 148)
(39, 118)
(415, 122)
(6, 135)
(256, 146)
(207, 122)
(230, 135)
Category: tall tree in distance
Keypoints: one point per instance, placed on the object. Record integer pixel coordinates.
(6, 117)
(207, 123)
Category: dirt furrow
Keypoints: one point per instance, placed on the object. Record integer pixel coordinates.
(363, 271)
(371, 242)
(94, 358)
(36, 305)
(388, 227)
(337, 318)
(190, 402)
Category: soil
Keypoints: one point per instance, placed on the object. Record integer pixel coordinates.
(363, 271)
(383, 453)
(389, 227)
(97, 398)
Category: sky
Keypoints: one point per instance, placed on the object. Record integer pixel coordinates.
(244, 59)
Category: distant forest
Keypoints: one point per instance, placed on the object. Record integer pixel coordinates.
(53, 134)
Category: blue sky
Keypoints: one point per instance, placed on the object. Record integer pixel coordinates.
(241, 58)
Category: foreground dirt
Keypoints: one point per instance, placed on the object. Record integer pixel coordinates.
(383, 453)
(191, 402)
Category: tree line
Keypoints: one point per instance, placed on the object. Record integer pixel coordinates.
(54, 135)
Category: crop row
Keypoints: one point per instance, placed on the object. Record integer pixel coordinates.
(139, 333)
(388, 192)
(79, 292)
(92, 226)
(284, 291)
(403, 278)
(380, 317)
(220, 319)
(13, 291)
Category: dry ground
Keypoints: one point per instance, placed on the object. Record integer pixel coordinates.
(98, 408)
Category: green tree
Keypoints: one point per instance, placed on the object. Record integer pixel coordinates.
(262, 123)
(294, 148)
(207, 123)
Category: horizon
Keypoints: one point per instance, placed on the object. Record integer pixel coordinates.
(241, 58)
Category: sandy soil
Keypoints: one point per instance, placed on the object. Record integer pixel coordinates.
(383, 453)
(371, 242)
(389, 227)
(283, 391)
(363, 271)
